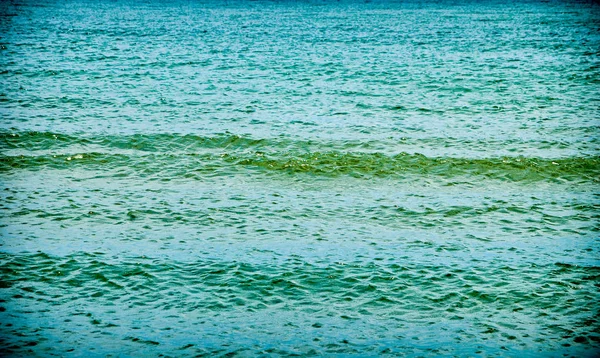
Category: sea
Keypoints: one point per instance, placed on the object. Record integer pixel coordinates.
(236, 178)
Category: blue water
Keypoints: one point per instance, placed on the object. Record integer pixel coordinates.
(313, 178)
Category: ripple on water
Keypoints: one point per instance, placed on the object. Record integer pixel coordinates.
(528, 308)
(299, 178)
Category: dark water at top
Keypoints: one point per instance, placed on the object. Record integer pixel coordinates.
(278, 178)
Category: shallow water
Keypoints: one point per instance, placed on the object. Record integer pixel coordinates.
(260, 178)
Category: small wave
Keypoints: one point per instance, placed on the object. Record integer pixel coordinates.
(327, 164)
(11, 140)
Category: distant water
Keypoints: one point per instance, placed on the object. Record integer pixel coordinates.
(312, 178)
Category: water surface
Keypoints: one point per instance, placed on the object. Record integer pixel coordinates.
(278, 178)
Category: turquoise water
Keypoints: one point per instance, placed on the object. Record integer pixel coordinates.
(312, 178)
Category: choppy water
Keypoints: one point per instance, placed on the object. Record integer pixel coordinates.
(261, 178)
